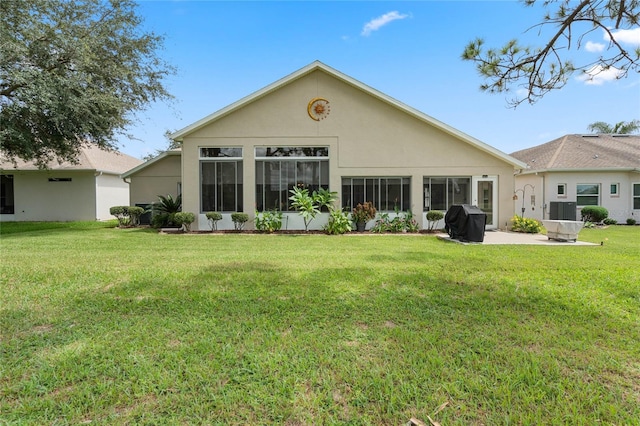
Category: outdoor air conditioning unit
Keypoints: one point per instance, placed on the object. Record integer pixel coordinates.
(562, 210)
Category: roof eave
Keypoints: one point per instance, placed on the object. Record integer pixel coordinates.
(582, 170)
(148, 163)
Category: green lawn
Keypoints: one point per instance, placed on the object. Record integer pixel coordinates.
(108, 326)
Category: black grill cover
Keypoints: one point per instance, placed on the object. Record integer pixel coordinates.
(465, 223)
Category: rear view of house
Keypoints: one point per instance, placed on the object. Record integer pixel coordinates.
(574, 171)
(319, 128)
(85, 190)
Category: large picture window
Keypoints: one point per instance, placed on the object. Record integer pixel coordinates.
(280, 169)
(588, 194)
(386, 193)
(440, 193)
(221, 179)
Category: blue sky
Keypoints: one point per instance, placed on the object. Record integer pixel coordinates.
(411, 51)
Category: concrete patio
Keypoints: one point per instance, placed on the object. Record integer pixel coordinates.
(502, 237)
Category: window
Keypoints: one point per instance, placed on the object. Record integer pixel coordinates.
(588, 194)
(221, 179)
(59, 179)
(6, 195)
(280, 169)
(614, 189)
(562, 190)
(386, 193)
(440, 193)
(636, 196)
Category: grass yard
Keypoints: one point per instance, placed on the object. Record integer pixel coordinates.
(108, 327)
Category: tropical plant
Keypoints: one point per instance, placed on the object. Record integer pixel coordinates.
(595, 214)
(239, 220)
(526, 225)
(309, 205)
(538, 70)
(363, 212)
(620, 128)
(402, 222)
(213, 218)
(433, 217)
(268, 221)
(164, 210)
(339, 222)
(184, 220)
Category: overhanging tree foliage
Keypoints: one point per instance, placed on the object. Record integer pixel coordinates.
(541, 69)
(73, 73)
(620, 128)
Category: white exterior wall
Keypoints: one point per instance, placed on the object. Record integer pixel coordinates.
(620, 206)
(365, 136)
(37, 199)
(110, 191)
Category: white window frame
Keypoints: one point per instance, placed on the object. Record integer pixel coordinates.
(616, 193)
(564, 190)
(597, 196)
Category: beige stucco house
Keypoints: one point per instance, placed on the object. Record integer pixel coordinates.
(318, 127)
(574, 171)
(66, 191)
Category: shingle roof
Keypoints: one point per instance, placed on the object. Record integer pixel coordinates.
(91, 157)
(584, 152)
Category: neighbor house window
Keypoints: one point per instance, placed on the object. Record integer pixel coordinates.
(614, 189)
(440, 193)
(386, 193)
(588, 194)
(636, 196)
(220, 179)
(562, 190)
(6, 195)
(281, 168)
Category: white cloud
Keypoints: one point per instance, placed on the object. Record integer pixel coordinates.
(594, 47)
(376, 23)
(598, 75)
(626, 36)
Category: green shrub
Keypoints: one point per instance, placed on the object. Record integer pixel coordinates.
(403, 222)
(631, 221)
(239, 219)
(213, 218)
(526, 225)
(269, 221)
(595, 214)
(433, 217)
(184, 219)
(164, 210)
(339, 223)
(127, 215)
(610, 221)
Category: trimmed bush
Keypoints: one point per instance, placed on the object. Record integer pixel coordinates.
(595, 214)
(433, 217)
(127, 215)
(213, 218)
(239, 219)
(631, 221)
(609, 221)
(184, 219)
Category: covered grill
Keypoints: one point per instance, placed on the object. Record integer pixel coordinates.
(465, 223)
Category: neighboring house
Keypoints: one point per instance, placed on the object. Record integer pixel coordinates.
(160, 175)
(66, 191)
(319, 128)
(574, 171)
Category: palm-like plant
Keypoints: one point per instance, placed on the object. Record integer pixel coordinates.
(165, 210)
(620, 128)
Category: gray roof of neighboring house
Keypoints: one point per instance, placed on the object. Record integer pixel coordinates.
(90, 158)
(584, 152)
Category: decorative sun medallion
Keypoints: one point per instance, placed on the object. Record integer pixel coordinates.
(318, 109)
